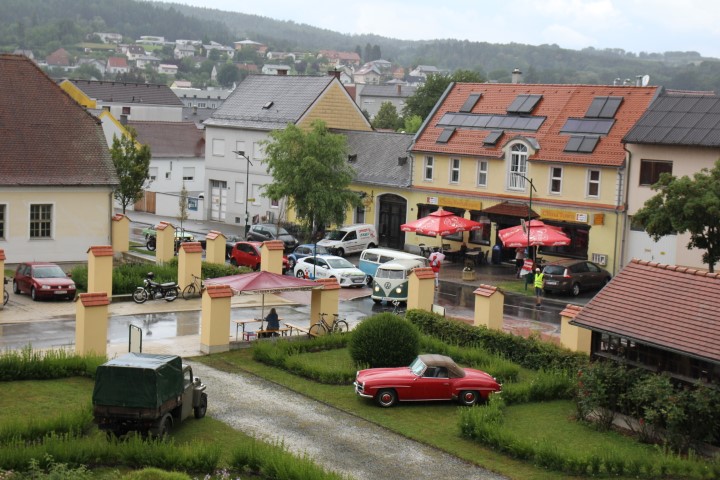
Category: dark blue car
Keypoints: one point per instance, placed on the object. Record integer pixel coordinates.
(305, 250)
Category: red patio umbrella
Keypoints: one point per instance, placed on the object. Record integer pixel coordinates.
(440, 223)
(540, 234)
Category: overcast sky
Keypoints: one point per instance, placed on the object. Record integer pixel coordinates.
(633, 25)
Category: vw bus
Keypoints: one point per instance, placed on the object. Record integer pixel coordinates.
(391, 280)
(371, 258)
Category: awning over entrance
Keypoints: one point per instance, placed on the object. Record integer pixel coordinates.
(510, 209)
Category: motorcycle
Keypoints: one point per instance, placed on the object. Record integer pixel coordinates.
(153, 290)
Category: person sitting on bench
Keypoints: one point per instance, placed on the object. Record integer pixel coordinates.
(273, 323)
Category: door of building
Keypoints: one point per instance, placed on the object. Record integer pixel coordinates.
(218, 200)
(393, 213)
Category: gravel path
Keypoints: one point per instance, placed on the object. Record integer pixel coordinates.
(333, 439)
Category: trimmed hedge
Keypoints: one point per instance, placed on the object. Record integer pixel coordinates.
(530, 353)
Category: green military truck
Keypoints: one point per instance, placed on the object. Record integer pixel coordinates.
(146, 393)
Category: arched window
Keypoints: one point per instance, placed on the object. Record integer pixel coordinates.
(518, 165)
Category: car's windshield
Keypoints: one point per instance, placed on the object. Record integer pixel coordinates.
(417, 367)
(50, 271)
(392, 274)
(339, 263)
(335, 235)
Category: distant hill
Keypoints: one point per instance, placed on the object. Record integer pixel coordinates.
(44, 25)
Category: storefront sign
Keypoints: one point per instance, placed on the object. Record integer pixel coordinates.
(432, 200)
(466, 203)
(564, 215)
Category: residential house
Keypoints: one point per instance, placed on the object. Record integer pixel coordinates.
(383, 178)
(340, 58)
(167, 69)
(181, 84)
(127, 101)
(658, 317)
(679, 134)
(371, 97)
(99, 64)
(211, 98)
(134, 52)
(230, 51)
(184, 51)
(280, 56)
(147, 60)
(368, 74)
(257, 106)
(178, 159)
(501, 153)
(60, 58)
(117, 65)
(424, 70)
(269, 69)
(57, 174)
(250, 45)
(151, 40)
(109, 37)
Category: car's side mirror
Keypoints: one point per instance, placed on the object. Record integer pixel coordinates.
(69, 275)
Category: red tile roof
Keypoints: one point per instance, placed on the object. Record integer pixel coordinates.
(47, 137)
(673, 308)
(171, 139)
(117, 62)
(59, 58)
(558, 104)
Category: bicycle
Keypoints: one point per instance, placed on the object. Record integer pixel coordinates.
(193, 288)
(397, 308)
(338, 325)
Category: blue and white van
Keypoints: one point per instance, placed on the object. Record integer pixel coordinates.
(371, 258)
(391, 280)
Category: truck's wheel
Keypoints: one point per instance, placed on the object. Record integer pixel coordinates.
(202, 408)
(162, 427)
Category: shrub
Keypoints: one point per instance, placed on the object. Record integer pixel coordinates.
(384, 340)
(29, 364)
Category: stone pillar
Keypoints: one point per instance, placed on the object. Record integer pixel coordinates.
(574, 338)
(421, 289)
(100, 264)
(489, 302)
(189, 263)
(271, 256)
(215, 245)
(164, 242)
(91, 323)
(324, 300)
(2, 272)
(120, 233)
(215, 319)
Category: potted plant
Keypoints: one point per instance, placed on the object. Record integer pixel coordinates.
(468, 272)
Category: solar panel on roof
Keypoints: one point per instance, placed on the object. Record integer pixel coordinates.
(595, 107)
(573, 143)
(524, 104)
(603, 107)
(581, 144)
(445, 135)
(600, 126)
(507, 122)
(470, 102)
(588, 144)
(493, 137)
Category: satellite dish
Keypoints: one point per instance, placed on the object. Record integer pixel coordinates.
(645, 80)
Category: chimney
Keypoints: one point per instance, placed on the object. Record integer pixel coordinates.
(516, 76)
(334, 73)
(638, 80)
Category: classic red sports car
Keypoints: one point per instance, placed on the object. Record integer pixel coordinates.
(429, 377)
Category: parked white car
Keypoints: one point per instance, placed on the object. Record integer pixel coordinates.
(330, 266)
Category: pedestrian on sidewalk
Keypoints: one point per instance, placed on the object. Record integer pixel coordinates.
(539, 278)
(436, 258)
(519, 260)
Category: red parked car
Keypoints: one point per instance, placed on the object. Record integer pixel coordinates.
(429, 377)
(247, 254)
(43, 280)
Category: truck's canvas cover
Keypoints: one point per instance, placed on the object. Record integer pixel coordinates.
(138, 380)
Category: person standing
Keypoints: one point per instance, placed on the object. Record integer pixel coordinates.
(519, 260)
(436, 258)
(539, 278)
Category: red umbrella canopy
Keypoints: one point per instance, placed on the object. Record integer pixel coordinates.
(263, 282)
(540, 234)
(440, 222)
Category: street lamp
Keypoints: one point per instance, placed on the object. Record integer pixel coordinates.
(527, 227)
(241, 153)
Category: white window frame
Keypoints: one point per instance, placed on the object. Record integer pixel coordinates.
(191, 172)
(482, 173)
(31, 221)
(218, 147)
(454, 170)
(429, 167)
(239, 192)
(555, 178)
(518, 164)
(591, 181)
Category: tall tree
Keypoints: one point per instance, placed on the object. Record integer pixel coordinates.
(132, 163)
(686, 205)
(227, 75)
(310, 170)
(387, 117)
(428, 94)
(183, 207)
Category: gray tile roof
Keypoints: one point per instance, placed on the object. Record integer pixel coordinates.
(403, 91)
(377, 157)
(171, 139)
(249, 106)
(123, 92)
(48, 139)
(684, 119)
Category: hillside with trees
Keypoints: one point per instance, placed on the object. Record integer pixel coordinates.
(45, 25)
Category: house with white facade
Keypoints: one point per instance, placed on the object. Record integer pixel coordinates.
(109, 37)
(234, 182)
(371, 97)
(117, 65)
(184, 51)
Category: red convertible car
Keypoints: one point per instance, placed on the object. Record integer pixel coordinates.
(429, 377)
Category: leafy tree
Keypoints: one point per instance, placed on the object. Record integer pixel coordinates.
(87, 72)
(387, 117)
(310, 170)
(183, 206)
(413, 123)
(428, 94)
(132, 163)
(227, 75)
(686, 205)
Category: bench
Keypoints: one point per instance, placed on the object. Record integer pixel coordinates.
(299, 329)
(267, 333)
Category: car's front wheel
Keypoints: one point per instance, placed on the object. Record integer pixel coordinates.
(386, 398)
(200, 410)
(339, 252)
(468, 397)
(33, 294)
(16, 287)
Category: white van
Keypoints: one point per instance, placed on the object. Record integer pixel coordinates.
(391, 280)
(350, 238)
(371, 258)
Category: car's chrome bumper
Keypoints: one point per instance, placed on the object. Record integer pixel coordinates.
(358, 390)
